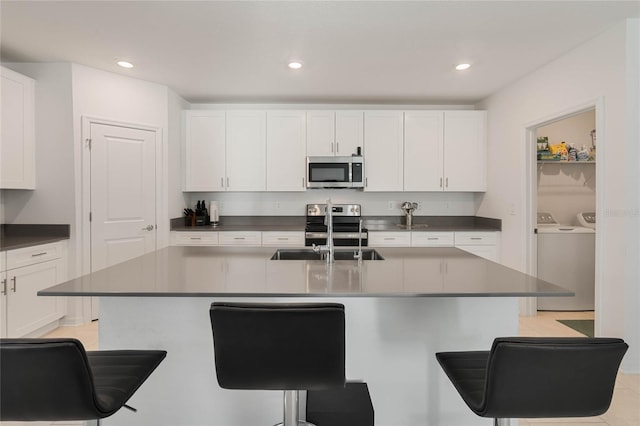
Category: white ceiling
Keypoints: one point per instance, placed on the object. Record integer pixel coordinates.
(353, 51)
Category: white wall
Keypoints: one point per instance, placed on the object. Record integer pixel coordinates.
(632, 191)
(564, 190)
(596, 69)
(114, 97)
(373, 203)
(176, 199)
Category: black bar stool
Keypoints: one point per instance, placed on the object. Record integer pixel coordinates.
(530, 377)
(56, 380)
(287, 347)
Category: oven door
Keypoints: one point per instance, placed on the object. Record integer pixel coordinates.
(328, 172)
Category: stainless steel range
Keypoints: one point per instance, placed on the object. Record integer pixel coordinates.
(346, 225)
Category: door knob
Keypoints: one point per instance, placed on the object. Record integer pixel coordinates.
(148, 228)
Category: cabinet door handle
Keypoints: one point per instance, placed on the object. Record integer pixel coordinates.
(4, 286)
(476, 238)
(14, 284)
(227, 182)
(446, 182)
(332, 147)
(283, 239)
(303, 182)
(433, 238)
(440, 182)
(39, 254)
(195, 238)
(389, 238)
(366, 182)
(222, 182)
(238, 238)
(337, 147)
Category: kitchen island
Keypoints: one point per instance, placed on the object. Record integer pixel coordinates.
(399, 312)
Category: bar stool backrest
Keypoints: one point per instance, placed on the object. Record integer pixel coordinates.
(45, 379)
(551, 377)
(279, 346)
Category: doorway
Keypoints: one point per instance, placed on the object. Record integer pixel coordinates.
(119, 199)
(564, 187)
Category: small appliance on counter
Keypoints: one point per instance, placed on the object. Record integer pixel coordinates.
(408, 208)
(197, 217)
(214, 213)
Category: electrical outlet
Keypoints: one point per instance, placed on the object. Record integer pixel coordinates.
(391, 205)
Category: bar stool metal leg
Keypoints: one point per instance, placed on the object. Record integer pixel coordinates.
(291, 410)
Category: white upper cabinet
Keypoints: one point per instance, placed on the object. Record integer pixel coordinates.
(286, 150)
(204, 151)
(246, 150)
(423, 150)
(383, 150)
(445, 151)
(17, 148)
(465, 146)
(334, 132)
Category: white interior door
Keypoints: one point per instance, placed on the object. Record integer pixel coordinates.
(123, 195)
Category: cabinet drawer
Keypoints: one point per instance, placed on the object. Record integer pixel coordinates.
(32, 255)
(230, 238)
(203, 238)
(431, 239)
(389, 239)
(276, 239)
(476, 238)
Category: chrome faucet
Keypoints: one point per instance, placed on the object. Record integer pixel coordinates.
(328, 247)
(358, 255)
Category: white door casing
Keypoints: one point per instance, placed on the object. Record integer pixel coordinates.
(120, 193)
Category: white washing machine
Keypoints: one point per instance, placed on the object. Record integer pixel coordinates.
(566, 257)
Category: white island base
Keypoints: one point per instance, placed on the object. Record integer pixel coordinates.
(391, 345)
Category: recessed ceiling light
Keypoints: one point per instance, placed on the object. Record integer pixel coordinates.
(125, 64)
(295, 65)
(462, 67)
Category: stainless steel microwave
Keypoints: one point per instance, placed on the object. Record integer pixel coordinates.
(335, 172)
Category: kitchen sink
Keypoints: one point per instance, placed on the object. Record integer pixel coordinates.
(309, 254)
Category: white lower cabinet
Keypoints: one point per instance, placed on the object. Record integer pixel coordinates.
(431, 239)
(483, 244)
(283, 238)
(28, 271)
(389, 239)
(240, 238)
(197, 238)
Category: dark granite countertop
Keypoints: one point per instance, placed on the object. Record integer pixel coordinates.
(21, 236)
(250, 272)
(372, 223)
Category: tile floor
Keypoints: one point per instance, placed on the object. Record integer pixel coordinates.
(624, 411)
